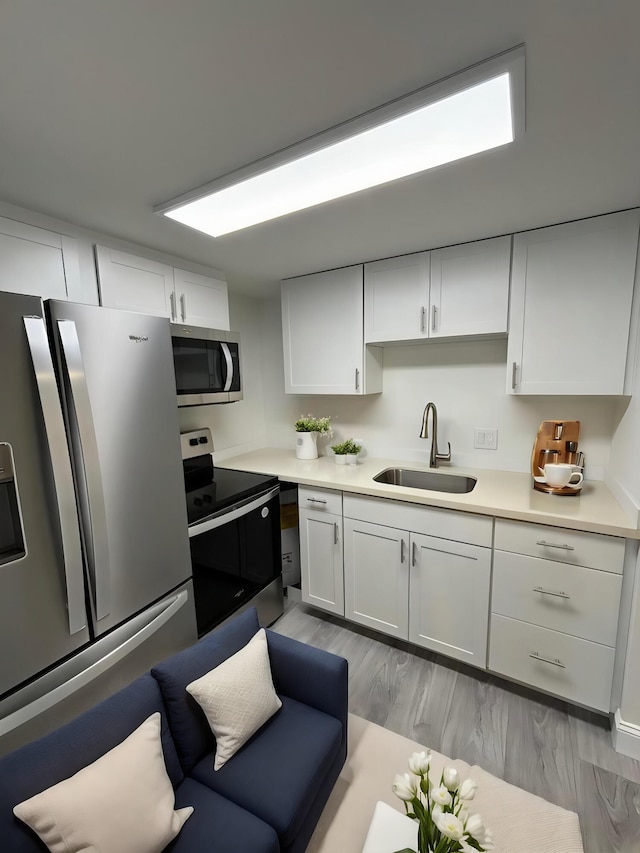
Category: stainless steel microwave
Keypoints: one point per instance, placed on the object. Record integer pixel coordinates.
(207, 365)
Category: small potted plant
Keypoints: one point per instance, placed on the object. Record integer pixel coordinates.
(346, 452)
(308, 429)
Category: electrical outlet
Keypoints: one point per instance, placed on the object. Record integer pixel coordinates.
(485, 439)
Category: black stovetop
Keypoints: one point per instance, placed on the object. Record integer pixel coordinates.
(211, 490)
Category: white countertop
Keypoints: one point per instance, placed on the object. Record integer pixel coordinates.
(503, 494)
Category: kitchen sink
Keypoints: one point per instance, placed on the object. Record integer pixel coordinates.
(431, 480)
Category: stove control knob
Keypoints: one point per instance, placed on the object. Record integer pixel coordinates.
(198, 501)
(207, 499)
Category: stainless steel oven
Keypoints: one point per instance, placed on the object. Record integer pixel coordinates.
(207, 365)
(234, 533)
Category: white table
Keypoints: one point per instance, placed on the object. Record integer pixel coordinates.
(390, 830)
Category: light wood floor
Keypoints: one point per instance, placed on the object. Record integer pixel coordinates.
(553, 749)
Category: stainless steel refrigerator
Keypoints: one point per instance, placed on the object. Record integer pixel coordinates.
(94, 552)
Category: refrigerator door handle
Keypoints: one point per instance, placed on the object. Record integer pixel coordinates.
(156, 618)
(97, 545)
(61, 469)
(229, 362)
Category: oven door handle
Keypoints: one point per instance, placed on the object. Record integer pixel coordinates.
(236, 511)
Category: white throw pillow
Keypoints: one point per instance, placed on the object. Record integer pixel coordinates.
(237, 697)
(122, 803)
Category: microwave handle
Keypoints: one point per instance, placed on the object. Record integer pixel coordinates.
(229, 362)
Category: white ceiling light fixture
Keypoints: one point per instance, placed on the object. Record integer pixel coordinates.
(476, 110)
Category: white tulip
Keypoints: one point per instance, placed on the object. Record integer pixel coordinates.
(404, 787)
(419, 762)
(475, 827)
(441, 796)
(468, 789)
(451, 778)
(450, 825)
(436, 811)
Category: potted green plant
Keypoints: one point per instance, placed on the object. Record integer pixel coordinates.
(346, 452)
(308, 429)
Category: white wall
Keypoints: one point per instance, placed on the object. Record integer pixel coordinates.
(467, 382)
(624, 477)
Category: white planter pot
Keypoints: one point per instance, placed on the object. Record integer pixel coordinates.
(306, 445)
(341, 458)
(352, 458)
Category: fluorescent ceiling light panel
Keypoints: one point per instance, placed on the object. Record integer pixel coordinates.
(476, 117)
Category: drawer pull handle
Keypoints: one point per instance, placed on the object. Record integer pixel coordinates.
(554, 662)
(550, 592)
(316, 500)
(552, 545)
(335, 533)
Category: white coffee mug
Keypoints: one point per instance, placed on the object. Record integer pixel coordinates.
(559, 474)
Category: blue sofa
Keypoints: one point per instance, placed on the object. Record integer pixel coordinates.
(266, 799)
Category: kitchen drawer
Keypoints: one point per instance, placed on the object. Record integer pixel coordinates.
(320, 500)
(578, 601)
(580, 671)
(444, 523)
(593, 550)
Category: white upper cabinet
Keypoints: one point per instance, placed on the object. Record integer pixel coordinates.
(133, 283)
(571, 296)
(470, 289)
(396, 301)
(38, 262)
(322, 328)
(459, 291)
(201, 301)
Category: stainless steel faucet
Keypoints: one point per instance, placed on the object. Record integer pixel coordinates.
(434, 456)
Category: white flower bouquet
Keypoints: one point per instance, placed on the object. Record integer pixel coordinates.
(445, 824)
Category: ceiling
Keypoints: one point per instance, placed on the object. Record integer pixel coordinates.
(109, 108)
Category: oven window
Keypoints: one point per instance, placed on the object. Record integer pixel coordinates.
(11, 534)
(233, 562)
(198, 366)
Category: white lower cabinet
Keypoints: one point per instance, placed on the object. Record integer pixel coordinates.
(321, 556)
(406, 582)
(575, 669)
(376, 577)
(536, 604)
(555, 604)
(449, 598)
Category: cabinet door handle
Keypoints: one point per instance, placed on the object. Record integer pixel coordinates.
(552, 545)
(550, 592)
(553, 662)
(423, 312)
(172, 304)
(413, 554)
(183, 307)
(514, 371)
(434, 315)
(357, 379)
(335, 533)
(402, 550)
(316, 500)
